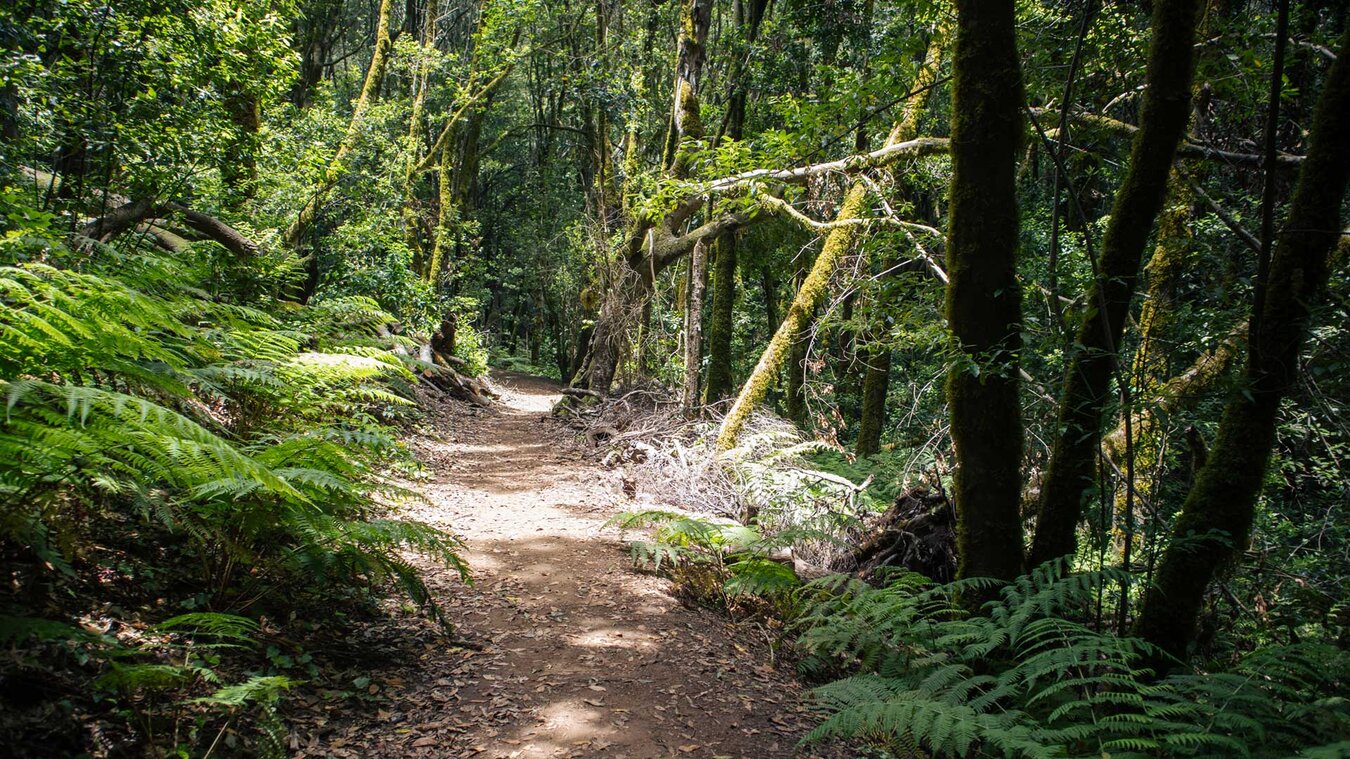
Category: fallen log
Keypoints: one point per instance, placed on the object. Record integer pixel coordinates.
(127, 213)
(442, 371)
(133, 212)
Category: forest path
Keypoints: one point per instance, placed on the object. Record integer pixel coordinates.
(582, 656)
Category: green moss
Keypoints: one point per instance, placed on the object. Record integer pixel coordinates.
(719, 380)
(983, 300)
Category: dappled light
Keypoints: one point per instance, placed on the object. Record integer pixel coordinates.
(692, 379)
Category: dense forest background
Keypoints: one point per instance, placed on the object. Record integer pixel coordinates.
(1056, 290)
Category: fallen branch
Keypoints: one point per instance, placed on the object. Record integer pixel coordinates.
(1246, 237)
(442, 372)
(128, 214)
(131, 213)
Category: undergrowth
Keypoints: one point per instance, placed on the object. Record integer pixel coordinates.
(910, 669)
(1030, 676)
(166, 449)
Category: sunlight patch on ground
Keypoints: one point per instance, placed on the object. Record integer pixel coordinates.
(612, 637)
(521, 399)
(566, 728)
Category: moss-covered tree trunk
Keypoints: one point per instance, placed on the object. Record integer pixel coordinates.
(447, 215)
(1087, 382)
(876, 386)
(984, 299)
(720, 322)
(420, 77)
(794, 401)
(837, 243)
(809, 294)
(1136, 449)
(631, 287)
(719, 383)
(693, 325)
(370, 90)
(1216, 518)
(686, 121)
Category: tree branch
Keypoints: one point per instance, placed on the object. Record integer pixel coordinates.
(1186, 149)
(916, 148)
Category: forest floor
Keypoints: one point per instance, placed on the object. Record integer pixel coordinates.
(581, 655)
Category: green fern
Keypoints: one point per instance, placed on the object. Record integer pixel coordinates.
(1023, 679)
(250, 437)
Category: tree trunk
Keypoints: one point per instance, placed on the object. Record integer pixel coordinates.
(1177, 393)
(1217, 516)
(447, 214)
(579, 354)
(984, 298)
(1137, 448)
(876, 386)
(1087, 382)
(720, 323)
(239, 167)
(837, 244)
(370, 90)
(317, 22)
(795, 401)
(686, 121)
(632, 284)
(693, 325)
(419, 97)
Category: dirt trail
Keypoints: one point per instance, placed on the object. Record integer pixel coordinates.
(582, 656)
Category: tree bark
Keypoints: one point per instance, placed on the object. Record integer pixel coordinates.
(876, 386)
(686, 122)
(984, 299)
(693, 325)
(720, 323)
(132, 212)
(1087, 382)
(1217, 516)
(316, 23)
(646, 250)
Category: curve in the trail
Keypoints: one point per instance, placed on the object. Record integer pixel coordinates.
(582, 656)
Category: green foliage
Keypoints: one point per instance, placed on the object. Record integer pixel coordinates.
(139, 411)
(1024, 679)
(714, 559)
(210, 420)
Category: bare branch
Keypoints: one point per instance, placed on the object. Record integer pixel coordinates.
(916, 148)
